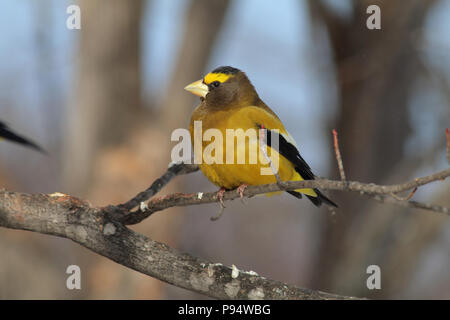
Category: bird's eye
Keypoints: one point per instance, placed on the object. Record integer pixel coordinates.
(215, 84)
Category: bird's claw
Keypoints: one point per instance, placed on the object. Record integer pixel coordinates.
(241, 190)
(219, 197)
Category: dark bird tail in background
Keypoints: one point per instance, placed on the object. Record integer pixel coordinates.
(7, 134)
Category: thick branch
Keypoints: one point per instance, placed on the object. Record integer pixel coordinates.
(68, 217)
(103, 230)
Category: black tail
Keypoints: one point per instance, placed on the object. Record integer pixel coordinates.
(317, 201)
(290, 152)
(7, 134)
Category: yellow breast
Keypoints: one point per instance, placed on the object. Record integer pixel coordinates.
(242, 161)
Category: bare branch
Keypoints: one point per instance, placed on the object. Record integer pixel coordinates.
(173, 171)
(122, 212)
(412, 204)
(103, 230)
(447, 135)
(181, 199)
(68, 217)
(409, 196)
(338, 155)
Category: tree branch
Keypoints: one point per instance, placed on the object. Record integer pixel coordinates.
(412, 204)
(124, 214)
(173, 171)
(68, 217)
(181, 199)
(103, 230)
(337, 152)
(447, 135)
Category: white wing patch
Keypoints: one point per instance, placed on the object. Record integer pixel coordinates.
(289, 139)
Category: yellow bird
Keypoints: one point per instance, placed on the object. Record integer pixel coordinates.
(229, 101)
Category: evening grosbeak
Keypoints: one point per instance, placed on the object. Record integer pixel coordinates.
(229, 101)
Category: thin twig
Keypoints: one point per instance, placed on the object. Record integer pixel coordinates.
(173, 171)
(219, 215)
(338, 155)
(447, 135)
(409, 196)
(412, 204)
(219, 196)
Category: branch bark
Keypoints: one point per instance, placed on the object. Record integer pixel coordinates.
(68, 217)
(103, 230)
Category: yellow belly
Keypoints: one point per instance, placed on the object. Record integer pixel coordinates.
(233, 174)
(230, 176)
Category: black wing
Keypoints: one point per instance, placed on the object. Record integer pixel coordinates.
(290, 152)
(6, 133)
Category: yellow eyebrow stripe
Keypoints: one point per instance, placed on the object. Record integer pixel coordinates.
(211, 77)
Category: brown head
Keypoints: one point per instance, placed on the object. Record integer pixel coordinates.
(225, 87)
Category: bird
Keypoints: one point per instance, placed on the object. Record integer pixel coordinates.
(7, 134)
(228, 100)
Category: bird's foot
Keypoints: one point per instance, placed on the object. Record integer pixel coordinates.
(219, 197)
(241, 190)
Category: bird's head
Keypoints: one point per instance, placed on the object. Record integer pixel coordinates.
(224, 86)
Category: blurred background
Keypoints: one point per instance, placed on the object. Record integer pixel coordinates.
(104, 100)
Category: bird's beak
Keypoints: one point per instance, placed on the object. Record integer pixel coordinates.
(198, 88)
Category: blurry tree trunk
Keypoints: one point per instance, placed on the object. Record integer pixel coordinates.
(204, 20)
(146, 152)
(106, 113)
(203, 23)
(106, 98)
(375, 73)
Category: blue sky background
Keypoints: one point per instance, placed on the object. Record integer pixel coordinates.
(281, 44)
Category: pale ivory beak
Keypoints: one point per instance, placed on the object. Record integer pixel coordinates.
(198, 88)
